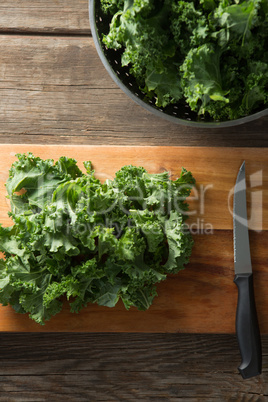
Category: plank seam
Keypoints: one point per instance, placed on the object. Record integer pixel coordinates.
(60, 33)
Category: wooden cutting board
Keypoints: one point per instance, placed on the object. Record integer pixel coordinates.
(201, 298)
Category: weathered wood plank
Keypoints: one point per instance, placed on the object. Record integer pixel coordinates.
(120, 367)
(55, 89)
(50, 16)
(101, 367)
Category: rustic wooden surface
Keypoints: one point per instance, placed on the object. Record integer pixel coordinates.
(53, 89)
(129, 367)
(49, 17)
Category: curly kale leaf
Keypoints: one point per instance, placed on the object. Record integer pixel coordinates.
(197, 52)
(90, 242)
(141, 28)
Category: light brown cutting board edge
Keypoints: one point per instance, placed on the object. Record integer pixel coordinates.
(201, 298)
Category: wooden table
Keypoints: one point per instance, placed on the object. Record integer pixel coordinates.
(54, 90)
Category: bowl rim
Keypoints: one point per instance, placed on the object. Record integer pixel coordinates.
(158, 112)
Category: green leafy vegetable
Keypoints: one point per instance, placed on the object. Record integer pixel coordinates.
(199, 52)
(88, 241)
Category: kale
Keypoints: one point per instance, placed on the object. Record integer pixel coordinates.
(211, 54)
(88, 241)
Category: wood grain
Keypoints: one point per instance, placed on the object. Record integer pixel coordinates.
(214, 169)
(201, 298)
(126, 367)
(51, 16)
(46, 98)
(56, 90)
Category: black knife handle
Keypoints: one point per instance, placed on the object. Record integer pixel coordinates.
(247, 328)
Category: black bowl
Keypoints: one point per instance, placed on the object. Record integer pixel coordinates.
(179, 113)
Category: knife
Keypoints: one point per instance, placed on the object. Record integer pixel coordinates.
(247, 328)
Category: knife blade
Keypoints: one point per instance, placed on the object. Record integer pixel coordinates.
(247, 328)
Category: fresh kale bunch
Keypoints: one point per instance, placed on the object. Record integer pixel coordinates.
(211, 54)
(92, 242)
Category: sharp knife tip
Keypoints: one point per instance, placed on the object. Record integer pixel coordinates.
(243, 166)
